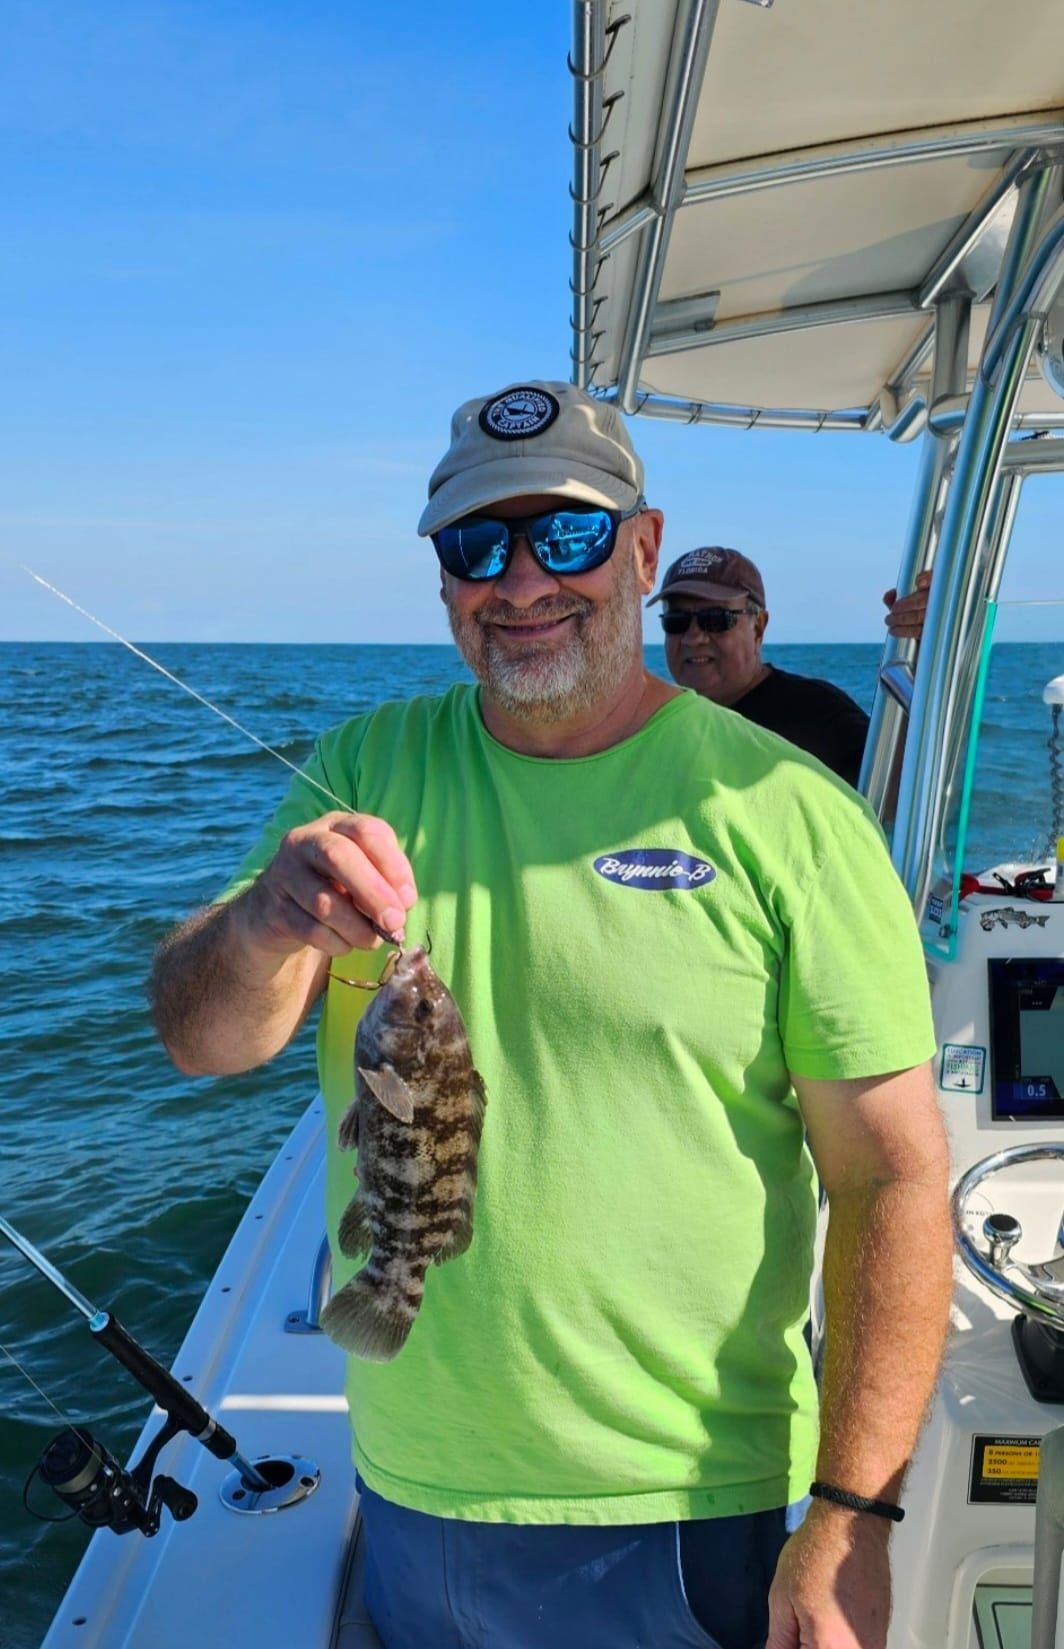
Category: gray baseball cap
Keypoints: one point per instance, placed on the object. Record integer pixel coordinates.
(528, 438)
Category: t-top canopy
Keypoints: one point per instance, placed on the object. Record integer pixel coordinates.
(770, 198)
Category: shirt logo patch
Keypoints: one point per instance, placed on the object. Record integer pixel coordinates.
(518, 413)
(654, 868)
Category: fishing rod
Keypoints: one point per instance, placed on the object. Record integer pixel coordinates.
(84, 1474)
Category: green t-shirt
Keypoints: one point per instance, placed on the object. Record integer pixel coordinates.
(643, 943)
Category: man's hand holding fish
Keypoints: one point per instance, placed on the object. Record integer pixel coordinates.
(232, 986)
(333, 885)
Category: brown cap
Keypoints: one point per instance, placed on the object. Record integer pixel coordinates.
(720, 574)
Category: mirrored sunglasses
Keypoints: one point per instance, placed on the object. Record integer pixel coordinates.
(565, 542)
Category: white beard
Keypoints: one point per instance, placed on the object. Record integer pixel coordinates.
(544, 681)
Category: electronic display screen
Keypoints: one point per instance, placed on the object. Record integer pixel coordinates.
(1027, 1037)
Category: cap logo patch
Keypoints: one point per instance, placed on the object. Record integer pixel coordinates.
(518, 413)
(699, 561)
(653, 868)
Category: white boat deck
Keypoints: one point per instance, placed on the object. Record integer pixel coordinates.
(223, 1577)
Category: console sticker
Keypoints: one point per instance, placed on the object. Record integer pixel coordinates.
(1004, 916)
(963, 1069)
(1004, 1471)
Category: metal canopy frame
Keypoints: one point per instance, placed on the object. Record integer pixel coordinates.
(653, 329)
(965, 506)
(975, 454)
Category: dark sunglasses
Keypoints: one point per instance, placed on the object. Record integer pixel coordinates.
(563, 541)
(710, 620)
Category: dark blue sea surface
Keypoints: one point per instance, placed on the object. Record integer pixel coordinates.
(124, 804)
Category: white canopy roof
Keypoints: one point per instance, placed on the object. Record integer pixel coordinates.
(770, 197)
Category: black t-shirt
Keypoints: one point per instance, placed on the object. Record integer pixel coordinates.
(814, 715)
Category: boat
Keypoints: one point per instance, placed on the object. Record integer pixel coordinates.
(837, 220)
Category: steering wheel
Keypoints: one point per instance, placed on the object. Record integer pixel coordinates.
(1043, 1295)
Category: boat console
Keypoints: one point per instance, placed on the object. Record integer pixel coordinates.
(963, 1557)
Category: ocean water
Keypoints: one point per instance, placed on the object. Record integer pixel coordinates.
(124, 804)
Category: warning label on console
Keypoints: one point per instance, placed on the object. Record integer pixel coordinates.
(1004, 1471)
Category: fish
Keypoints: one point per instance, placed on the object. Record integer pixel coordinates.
(415, 1122)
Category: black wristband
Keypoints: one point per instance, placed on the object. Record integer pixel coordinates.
(856, 1502)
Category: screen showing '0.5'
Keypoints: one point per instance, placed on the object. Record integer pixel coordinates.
(1027, 1032)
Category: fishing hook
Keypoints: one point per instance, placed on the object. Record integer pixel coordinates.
(387, 970)
(389, 966)
(371, 984)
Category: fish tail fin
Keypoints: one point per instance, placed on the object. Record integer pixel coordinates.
(372, 1314)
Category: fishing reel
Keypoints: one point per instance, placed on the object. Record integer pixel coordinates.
(87, 1478)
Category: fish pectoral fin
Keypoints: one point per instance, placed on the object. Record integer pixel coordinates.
(480, 1099)
(347, 1133)
(354, 1235)
(389, 1089)
(458, 1241)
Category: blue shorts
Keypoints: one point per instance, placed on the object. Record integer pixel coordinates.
(443, 1583)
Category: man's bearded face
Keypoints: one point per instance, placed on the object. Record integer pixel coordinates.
(564, 651)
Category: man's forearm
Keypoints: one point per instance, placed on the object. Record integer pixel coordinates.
(887, 1283)
(222, 1003)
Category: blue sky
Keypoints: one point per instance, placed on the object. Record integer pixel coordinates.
(253, 256)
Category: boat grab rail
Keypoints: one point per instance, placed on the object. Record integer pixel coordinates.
(309, 1321)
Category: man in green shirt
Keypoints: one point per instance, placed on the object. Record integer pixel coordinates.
(688, 973)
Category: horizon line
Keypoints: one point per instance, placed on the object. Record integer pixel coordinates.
(442, 646)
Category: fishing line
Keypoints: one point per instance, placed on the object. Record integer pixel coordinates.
(139, 652)
(85, 1437)
(55, 1409)
(163, 671)
(10, 1355)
